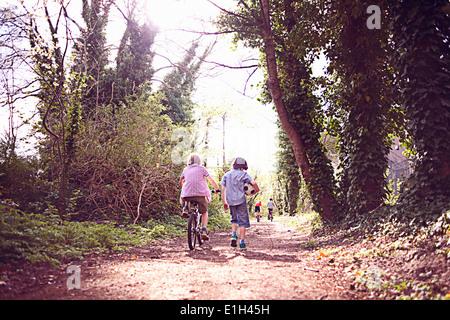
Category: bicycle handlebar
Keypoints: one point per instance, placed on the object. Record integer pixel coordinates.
(216, 191)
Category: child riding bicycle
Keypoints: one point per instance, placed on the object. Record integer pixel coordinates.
(270, 207)
(258, 210)
(194, 188)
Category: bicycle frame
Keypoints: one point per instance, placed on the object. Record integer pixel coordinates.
(194, 226)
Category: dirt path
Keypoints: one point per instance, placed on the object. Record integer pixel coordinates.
(279, 264)
(273, 267)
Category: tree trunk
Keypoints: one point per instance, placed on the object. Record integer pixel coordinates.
(326, 201)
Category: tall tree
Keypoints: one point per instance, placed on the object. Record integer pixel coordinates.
(58, 104)
(102, 84)
(91, 54)
(288, 173)
(421, 35)
(358, 56)
(178, 85)
(134, 69)
(271, 26)
(294, 55)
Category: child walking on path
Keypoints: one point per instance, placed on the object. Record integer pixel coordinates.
(233, 198)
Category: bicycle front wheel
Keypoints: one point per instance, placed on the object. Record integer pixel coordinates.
(192, 231)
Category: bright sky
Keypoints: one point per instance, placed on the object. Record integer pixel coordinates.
(250, 129)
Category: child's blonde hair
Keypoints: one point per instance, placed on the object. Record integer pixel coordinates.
(194, 159)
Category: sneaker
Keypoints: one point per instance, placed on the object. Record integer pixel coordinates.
(205, 234)
(234, 240)
(242, 246)
(185, 213)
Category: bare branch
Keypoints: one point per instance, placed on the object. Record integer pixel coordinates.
(230, 12)
(231, 67)
(216, 33)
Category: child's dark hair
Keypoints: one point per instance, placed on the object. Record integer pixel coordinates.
(240, 163)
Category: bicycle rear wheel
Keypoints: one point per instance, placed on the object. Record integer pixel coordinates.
(199, 230)
(192, 230)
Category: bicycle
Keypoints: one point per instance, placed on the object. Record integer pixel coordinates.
(270, 216)
(195, 225)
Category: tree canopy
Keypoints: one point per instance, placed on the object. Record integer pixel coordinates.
(375, 88)
(104, 135)
(387, 76)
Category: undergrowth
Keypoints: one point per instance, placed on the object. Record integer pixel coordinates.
(386, 255)
(32, 238)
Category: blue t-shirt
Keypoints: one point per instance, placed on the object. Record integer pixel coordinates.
(234, 181)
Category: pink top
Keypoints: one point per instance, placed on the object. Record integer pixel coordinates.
(195, 184)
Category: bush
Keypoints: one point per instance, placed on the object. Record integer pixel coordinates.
(20, 179)
(40, 238)
(32, 238)
(123, 163)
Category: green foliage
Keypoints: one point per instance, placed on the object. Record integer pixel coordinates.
(179, 85)
(46, 238)
(19, 178)
(288, 174)
(361, 102)
(421, 38)
(123, 163)
(296, 40)
(133, 71)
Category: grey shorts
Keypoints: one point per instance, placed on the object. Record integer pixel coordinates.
(239, 215)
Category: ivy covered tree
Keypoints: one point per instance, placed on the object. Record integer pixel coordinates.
(277, 28)
(91, 54)
(288, 174)
(58, 105)
(421, 35)
(363, 102)
(294, 52)
(134, 70)
(178, 85)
